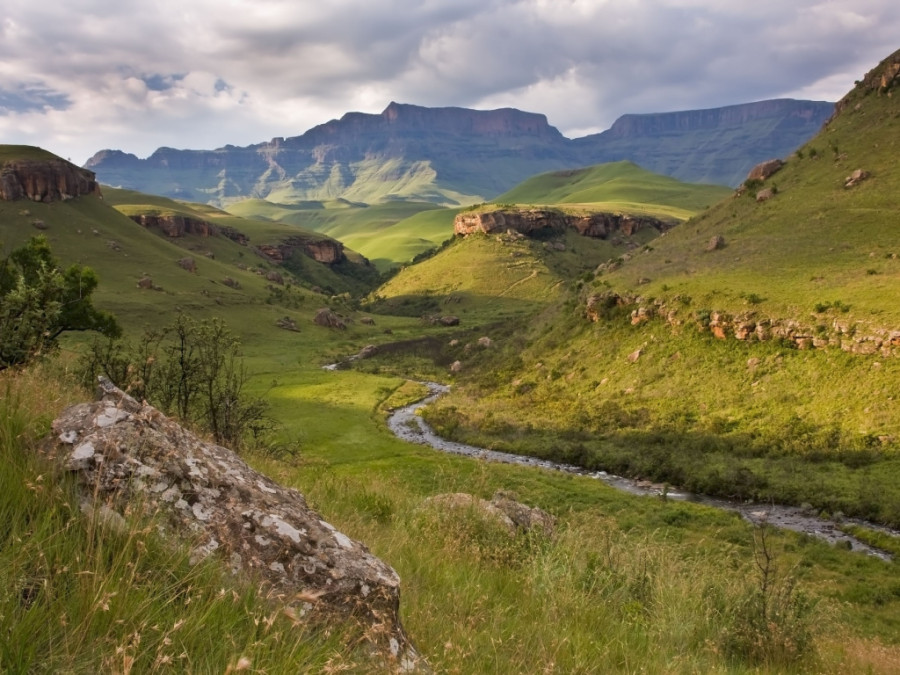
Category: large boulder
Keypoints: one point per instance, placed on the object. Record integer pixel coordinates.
(765, 169)
(127, 455)
(513, 516)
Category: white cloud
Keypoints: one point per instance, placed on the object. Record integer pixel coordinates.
(91, 74)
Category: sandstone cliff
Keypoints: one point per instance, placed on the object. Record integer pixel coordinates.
(45, 180)
(532, 221)
(325, 251)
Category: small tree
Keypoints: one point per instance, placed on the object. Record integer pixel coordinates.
(191, 369)
(38, 302)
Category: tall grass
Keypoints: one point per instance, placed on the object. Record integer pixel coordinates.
(85, 591)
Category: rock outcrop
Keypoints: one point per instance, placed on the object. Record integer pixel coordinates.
(856, 338)
(329, 319)
(763, 170)
(176, 226)
(533, 221)
(126, 455)
(45, 180)
(325, 251)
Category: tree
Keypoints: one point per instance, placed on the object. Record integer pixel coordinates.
(192, 369)
(38, 302)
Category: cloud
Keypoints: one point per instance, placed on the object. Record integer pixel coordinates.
(90, 74)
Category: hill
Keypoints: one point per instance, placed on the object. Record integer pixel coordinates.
(749, 352)
(456, 156)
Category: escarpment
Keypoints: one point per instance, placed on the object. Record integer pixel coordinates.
(45, 180)
(534, 221)
(127, 456)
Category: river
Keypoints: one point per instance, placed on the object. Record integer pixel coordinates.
(406, 424)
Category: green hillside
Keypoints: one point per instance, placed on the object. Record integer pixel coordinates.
(621, 186)
(759, 365)
(601, 352)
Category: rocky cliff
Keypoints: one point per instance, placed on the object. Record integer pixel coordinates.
(48, 179)
(128, 457)
(326, 251)
(533, 221)
(437, 154)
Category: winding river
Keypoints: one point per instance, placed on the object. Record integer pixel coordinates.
(406, 424)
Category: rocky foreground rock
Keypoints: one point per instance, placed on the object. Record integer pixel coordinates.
(127, 454)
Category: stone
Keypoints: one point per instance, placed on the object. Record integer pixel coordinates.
(456, 367)
(188, 264)
(634, 356)
(765, 169)
(855, 178)
(329, 319)
(231, 283)
(287, 323)
(367, 320)
(765, 195)
(145, 282)
(126, 455)
(513, 516)
(275, 277)
(485, 341)
(449, 320)
(715, 243)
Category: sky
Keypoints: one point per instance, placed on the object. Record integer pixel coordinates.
(84, 75)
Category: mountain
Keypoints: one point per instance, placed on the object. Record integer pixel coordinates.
(709, 146)
(457, 156)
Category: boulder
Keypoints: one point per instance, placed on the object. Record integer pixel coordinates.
(126, 456)
(765, 195)
(329, 319)
(855, 178)
(515, 517)
(765, 169)
(715, 243)
(188, 264)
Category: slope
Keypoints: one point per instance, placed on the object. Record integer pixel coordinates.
(750, 352)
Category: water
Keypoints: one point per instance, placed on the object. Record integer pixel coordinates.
(407, 425)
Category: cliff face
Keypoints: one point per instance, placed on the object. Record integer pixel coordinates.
(45, 180)
(596, 225)
(326, 251)
(436, 154)
(176, 226)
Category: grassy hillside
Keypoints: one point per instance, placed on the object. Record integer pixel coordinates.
(760, 367)
(617, 186)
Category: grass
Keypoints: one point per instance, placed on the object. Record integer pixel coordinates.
(79, 595)
(617, 186)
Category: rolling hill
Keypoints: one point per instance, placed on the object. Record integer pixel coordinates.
(750, 352)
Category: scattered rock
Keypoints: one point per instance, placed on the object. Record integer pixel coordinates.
(856, 178)
(765, 195)
(715, 243)
(765, 169)
(485, 341)
(146, 282)
(449, 320)
(188, 264)
(275, 277)
(287, 323)
(39, 225)
(329, 319)
(456, 367)
(515, 517)
(126, 455)
(231, 283)
(634, 356)
(367, 320)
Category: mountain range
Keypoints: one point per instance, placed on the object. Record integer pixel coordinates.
(457, 156)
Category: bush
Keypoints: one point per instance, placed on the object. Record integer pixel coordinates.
(191, 369)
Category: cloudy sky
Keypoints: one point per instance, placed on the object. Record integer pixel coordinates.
(82, 75)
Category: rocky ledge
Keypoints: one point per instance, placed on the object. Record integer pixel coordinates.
(325, 251)
(128, 455)
(45, 180)
(533, 221)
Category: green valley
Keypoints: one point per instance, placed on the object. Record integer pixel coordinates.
(742, 344)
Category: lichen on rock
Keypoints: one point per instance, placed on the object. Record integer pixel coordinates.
(127, 454)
